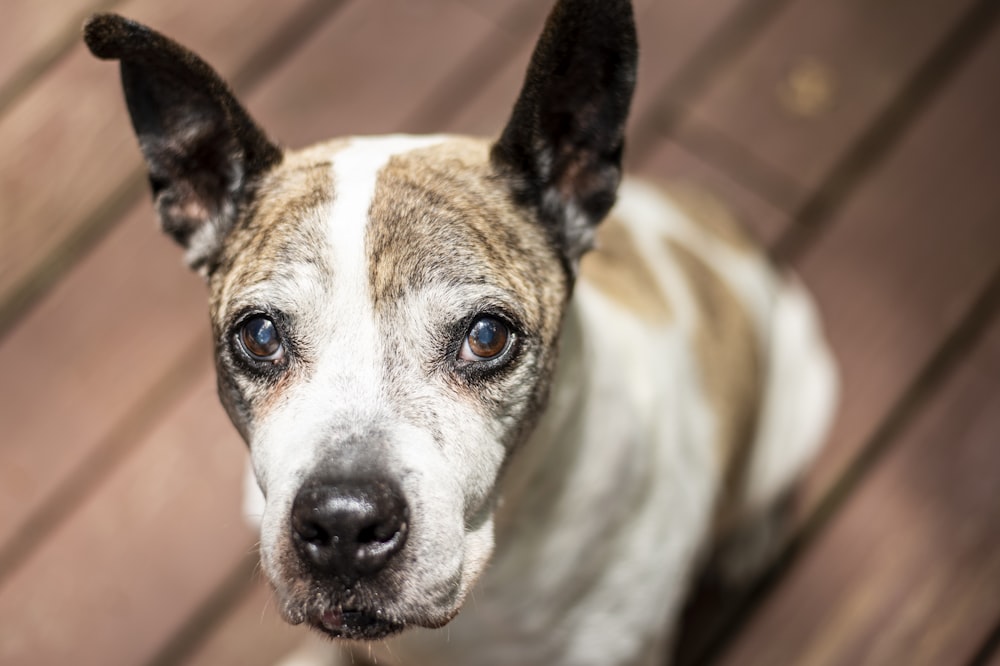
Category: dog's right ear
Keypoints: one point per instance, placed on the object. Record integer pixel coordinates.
(561, 150)
(203, 151)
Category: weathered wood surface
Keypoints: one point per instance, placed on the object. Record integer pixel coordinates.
(120, 535)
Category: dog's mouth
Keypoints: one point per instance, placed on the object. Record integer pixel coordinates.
(354, 624)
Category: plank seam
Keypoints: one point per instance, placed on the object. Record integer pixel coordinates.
(472, 74)
(885, 132)
(874, 145)
(106, 215)
(719, 51)
(947, 359)
(47, 56)
(989, 649)
(113, 449)
(744, 167)
(234, 588)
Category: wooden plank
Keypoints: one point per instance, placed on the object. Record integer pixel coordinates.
(253, 634)
(898, 268)
(113, 584)
(86, 357)
(518, 19)
(907, 255)
(32, 33)
(67, 145)
(994, 658)
(669, 34)
(338, 84)
(908, 572)
(813, 81)
(676, 166)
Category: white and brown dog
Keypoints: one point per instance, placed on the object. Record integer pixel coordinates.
(388, 312)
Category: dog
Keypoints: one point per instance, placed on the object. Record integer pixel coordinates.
(484, 384)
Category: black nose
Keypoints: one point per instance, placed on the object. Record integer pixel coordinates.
(349, 528)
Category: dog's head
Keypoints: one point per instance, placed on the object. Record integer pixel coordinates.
(386, 310)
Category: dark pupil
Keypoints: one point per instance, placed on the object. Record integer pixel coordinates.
(260, 337)
(487, 338)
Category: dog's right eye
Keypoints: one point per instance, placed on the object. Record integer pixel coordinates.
(487, 339)
(259, 338)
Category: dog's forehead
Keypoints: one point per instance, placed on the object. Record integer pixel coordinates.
(439, 216)
(425, 211)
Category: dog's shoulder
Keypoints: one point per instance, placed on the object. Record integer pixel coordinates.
(676, 260)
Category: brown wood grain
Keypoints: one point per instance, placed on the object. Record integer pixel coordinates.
(252, 634)
(86, 358)
(812, 82)
(907, 255)
(898, 267)
(908, 573)
(517, 23)
(673, 165)
(113, 583)
(669, 33)
(367, 72)
(34, 31)
(67, 145)
(994, 658)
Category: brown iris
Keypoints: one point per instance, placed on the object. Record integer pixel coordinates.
(260, 339)
(487, 339)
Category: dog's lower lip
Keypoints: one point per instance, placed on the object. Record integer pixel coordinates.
(351, 623)
(332, 619)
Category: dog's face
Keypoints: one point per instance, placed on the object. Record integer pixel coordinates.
(386, 310)
(386, 318)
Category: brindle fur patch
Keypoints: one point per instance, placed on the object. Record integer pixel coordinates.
(440, 214)
(273, 234)
(727, 349)
(441, 217)
(617, 268)
(709, 212)
(273, 240)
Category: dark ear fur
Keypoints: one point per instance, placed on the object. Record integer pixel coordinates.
(561, 150)
(203, 150)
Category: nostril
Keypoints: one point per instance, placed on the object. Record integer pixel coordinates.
(376, 534)
(311, 532)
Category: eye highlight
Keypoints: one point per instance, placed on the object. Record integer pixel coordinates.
(487, 339)
(259, 338)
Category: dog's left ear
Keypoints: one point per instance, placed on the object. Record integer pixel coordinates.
(203, 150)
(561, 150)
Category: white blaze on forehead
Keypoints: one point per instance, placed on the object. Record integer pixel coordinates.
(355, 175)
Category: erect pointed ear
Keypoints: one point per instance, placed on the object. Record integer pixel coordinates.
(203, 151)
(561, 150)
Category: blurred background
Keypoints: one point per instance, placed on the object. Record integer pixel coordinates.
(858, 139)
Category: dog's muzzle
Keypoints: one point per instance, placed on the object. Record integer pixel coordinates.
(346, 533)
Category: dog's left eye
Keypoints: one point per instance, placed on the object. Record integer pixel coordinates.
(488, 338)
(259, 338)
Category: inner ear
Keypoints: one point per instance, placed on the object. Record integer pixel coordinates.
(203, 151)
(561, 150)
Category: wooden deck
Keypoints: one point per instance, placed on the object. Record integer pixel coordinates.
(858, 138)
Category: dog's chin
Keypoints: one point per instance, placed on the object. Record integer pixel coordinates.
(354, 624)
(356, 621)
